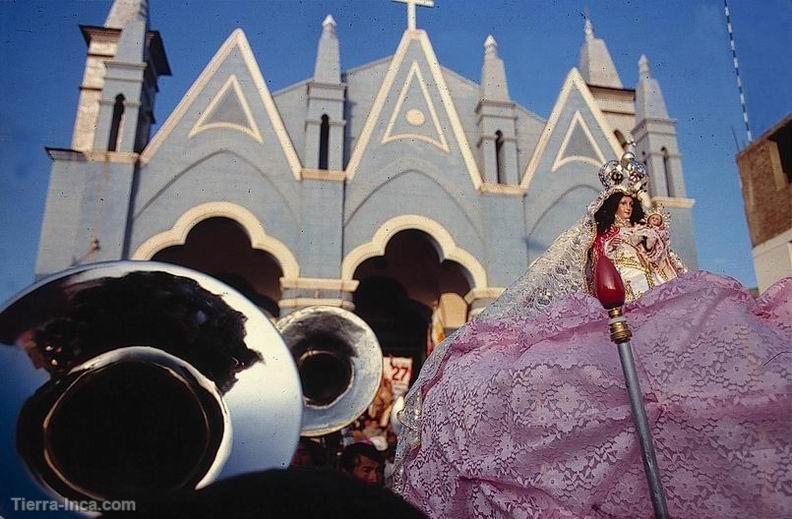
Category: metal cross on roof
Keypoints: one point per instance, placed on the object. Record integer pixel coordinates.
(411, 10)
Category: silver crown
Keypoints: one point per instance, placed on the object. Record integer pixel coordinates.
(614, 173)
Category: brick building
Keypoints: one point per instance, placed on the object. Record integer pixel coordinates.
(766, 173)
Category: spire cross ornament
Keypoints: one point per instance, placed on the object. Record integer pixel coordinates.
(411, 10)
(588, 27)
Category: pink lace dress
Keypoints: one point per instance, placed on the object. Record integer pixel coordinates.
(529, 416)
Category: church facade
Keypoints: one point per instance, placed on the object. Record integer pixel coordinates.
(397, 189)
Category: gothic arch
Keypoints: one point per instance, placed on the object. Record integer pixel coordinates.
(423, 171)
(447, 248)
(205, 159)
(556, 217)
(259, 239)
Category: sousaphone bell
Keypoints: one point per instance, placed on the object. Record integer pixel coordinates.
(340, 364)
(139, 380)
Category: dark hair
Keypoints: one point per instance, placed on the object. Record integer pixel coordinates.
(315, 451)
(606, 214)
(173, 313)
(351, 454)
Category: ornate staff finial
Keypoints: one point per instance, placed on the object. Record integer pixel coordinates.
(411, 10)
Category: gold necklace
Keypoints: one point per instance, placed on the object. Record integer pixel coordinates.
(620, 222)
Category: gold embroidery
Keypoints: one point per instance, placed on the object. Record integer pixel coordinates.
(628, 292)
(629, 256)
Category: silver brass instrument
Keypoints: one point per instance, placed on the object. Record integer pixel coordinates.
(340, 364)
(136, 380)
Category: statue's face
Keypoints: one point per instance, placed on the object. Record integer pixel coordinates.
(655, 220)
(624, 211)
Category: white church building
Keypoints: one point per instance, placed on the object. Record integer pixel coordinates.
(397, 189)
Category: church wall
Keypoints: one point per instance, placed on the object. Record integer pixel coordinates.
(324, 100)
(186, 142)
(413, 192)
(99, 51)
(126, 82)
(385, 160)
(207, 160)
(292, 104)
(529, 130)
(109, 193)
(556, 190)
(224, 176)
(497, 119)
(618, 107)
(61, 239)
(363, 83)
(177, 156)
(564, 211)
(213, 150)
(465, 94)
(388, 162)
(87, 199)
(661, 135)
(505, 255)
(321, 231)
(682, 239)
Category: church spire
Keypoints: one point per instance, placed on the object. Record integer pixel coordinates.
(132, 43)
(649, 102)
(497, 146)
(655, 137)
(493, 74)
(119, 86)
(328, 63)
(588, 29)
(124, 11)
(126, 102)
(324, 122)
(596, 65)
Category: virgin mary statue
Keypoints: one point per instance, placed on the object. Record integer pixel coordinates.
(523, 412)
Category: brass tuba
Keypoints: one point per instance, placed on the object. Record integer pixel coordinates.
(340, 365)
(137, 380)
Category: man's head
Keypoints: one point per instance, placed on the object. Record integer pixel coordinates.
(364, 462)
(308, 454)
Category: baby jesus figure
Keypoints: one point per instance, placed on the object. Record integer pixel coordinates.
(655, 238)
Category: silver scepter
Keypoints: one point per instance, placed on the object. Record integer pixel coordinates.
(610, 292)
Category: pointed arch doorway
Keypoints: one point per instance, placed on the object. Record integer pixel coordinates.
(220, 247)
(401, 290)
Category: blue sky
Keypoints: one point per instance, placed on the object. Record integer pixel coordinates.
(42, 55)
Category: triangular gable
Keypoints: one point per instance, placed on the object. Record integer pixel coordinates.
(414, 116)
(578, 145)
(397, 63)
(228, 109)
(237, 40)
(573, 82)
